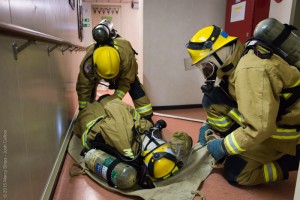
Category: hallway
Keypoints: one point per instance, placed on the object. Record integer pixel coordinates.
(214, 187)
(43, 42)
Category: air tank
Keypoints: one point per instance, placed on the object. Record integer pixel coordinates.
(115, 172)
(279, 35)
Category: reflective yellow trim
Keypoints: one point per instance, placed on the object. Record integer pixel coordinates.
(232, 144)
(128, 153)
(267, 178)
(227, 143)
(136, 115)
(220, 122)
(284, 130)
(116, 45)
(270, 172)
(82, 104)
(274, 172)
(286, 137)
(84, 137)
(144, 109)
(236, 114)
(120, 94)
(286, 134)
(297, 83)
(287, 95)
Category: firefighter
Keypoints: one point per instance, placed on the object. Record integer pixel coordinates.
(117, 128)
(266, 91)
(111, 59)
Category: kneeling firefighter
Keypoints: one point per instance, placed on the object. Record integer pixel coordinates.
(119, 142)
(223, 116)
(112, 60)
(266, 90)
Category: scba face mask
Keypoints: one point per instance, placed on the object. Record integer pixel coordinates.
(103, 33)
(209, 70)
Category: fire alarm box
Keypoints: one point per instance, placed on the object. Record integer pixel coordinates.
(243, 15)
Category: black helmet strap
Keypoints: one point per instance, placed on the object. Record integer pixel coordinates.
(208, 43)
(215, 55)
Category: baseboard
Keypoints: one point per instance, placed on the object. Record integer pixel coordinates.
(174, 107)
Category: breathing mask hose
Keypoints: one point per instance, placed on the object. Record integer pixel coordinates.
(160, 124)
(156, 130)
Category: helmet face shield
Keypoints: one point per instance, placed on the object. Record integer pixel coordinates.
(181, 145)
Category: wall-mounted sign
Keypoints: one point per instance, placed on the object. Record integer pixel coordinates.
(109, 18)
(238, 12)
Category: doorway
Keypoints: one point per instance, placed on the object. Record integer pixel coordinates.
(110, 12)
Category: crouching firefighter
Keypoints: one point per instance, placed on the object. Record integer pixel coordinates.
(111, 62)
(264, 148)
(115, 128)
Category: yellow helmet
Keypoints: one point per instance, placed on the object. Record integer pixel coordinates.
(207, 41)
(161, 162)
(107, 62)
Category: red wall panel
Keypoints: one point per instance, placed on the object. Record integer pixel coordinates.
(243, 15)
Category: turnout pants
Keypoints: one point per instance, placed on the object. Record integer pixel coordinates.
(261, 164)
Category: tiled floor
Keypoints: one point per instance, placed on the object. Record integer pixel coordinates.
(214, 187)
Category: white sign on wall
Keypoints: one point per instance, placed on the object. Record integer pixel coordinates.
(238, 12)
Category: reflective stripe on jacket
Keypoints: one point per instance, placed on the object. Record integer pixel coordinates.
(256, 85)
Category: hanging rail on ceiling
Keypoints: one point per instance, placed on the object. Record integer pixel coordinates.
(33, 36)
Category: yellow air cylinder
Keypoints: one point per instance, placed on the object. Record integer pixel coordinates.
(281, 36)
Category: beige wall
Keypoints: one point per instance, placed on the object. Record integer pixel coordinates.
(167, 27)
(281, 11)
(38, 98)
